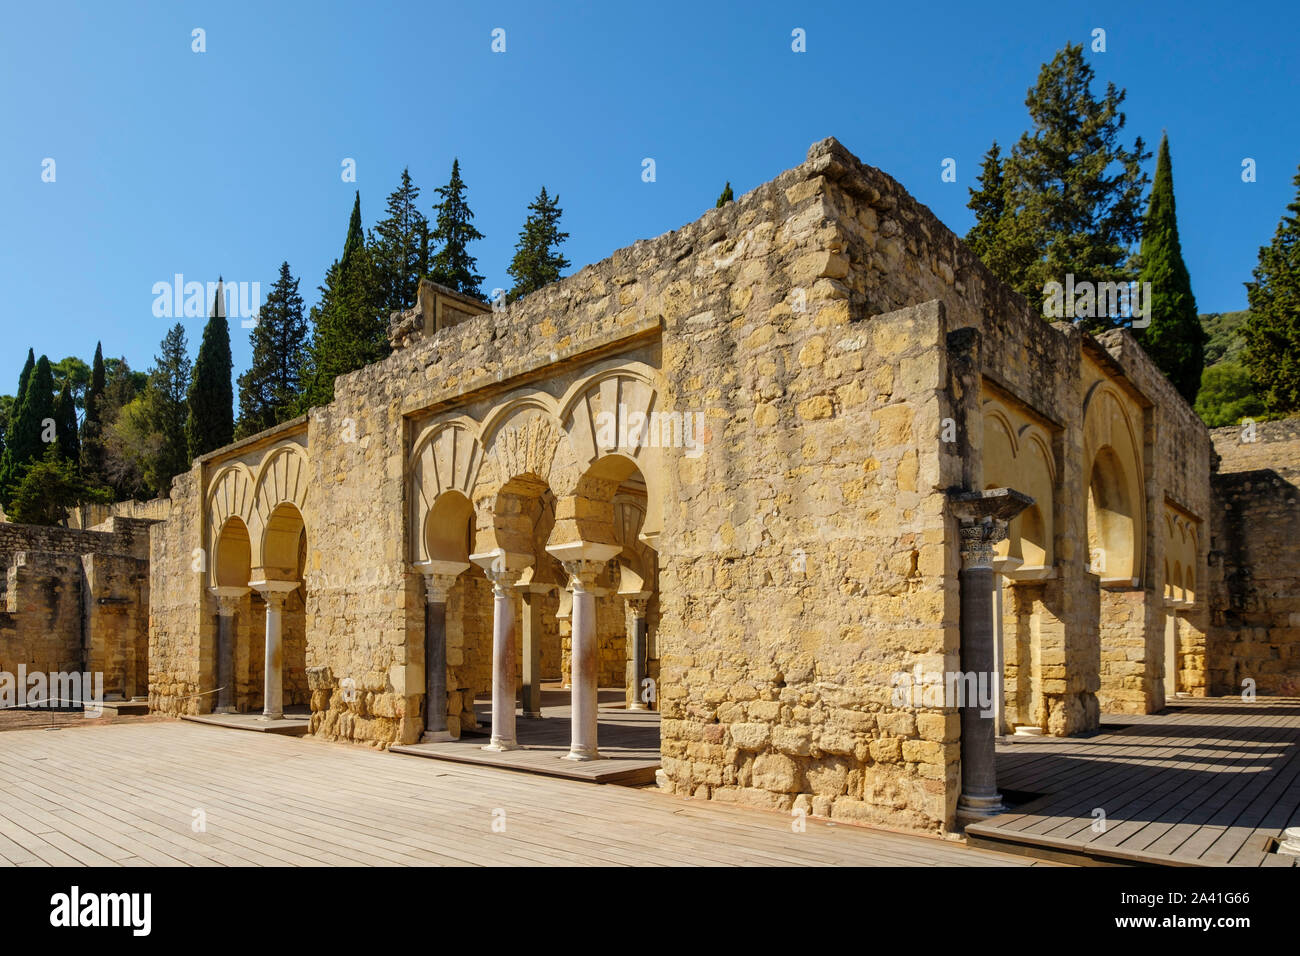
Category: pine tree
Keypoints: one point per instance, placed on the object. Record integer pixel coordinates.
(167, 409)
(726, 197)
(269, 390)
(537, 260)
(1272, 332)
(65, 421)
(400, 243)
(349, 327)
(32, 424)
(1175, 339)
(452, 265)
(92, 426)
(211, 421)
(1071, 194)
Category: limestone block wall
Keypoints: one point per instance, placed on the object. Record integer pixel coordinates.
(179, 670)
(72, 600)
(1254, 631)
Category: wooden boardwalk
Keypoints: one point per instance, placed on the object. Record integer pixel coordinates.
(173, 793)
(628, 742)
(1207, 782)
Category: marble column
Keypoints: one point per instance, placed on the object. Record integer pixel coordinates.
(583, 710)
(532, 595)
(228, 601)
(504, 649)
(983, 518)
(638, 603)
(275, 593)
(439, 578)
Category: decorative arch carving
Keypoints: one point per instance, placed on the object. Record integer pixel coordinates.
(447, 456)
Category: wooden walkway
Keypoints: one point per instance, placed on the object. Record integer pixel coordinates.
(167, 793)
(1207, 782)
(627, 740)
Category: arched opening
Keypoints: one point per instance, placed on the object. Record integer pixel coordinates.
(279, 580)
(231, 572)
(233, 555)
(1112, 524)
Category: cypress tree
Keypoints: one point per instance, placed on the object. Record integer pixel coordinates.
(33, 421)
(65, 421)
(452, 265)
(268, 391)
(1175, 339)
(349, 327)
(211, 421)
(1272, 332)
(537, 260)
(726, 196)
(92, 426)
(23, 378)
(1071, 194)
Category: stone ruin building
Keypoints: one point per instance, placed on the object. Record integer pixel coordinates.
(761, 472)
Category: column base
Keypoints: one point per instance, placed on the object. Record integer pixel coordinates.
(972, 809)
(581, 754)
(227, 709)
(436, 737)
(498, 745)
(270, 717)
(533, 714)
(637, 706)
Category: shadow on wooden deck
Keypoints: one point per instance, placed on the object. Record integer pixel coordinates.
(1206, 782)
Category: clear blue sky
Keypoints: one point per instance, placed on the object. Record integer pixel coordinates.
(228, 161)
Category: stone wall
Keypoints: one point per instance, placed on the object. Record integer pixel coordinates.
(74, 600)
(839, 348)
(1254, 632)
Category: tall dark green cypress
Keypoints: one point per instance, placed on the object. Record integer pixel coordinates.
(65, 422)
(1175, 339)
(92, 426)
(211, 401)
(452, 265)
(726, 196)
(1272, 332)
(349, 326)
(33, 421)
(23, 378)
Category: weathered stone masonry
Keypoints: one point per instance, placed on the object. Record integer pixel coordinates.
(845, 367)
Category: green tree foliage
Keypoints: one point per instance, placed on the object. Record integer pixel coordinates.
(76, 374)
(537, 260)
(24, 377)
(32, 423)
(1223, 340)
(1227, 395)
(6, 419)
(454, 229)
(1272, 332)
(51, 488)
(92, 425)
(349, 327)
(1068, 199)
(211, 400)
(726, 197)
(165, 406)
(66, 440)
(400, 247)
(1175, 339)
(269, 390)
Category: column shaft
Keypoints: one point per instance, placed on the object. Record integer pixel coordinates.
(504, 649)
(583, 664)
(435, 668)
(532, 622)
(226, 661)
(273, 694)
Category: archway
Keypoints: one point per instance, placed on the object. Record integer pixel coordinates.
(280, 616)
(231, 572)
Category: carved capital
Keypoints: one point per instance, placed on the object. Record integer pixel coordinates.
(582, 574)
(503, 580)
(438, 586)
(977, 541)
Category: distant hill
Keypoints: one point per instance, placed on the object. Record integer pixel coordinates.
(1225, 342)
(1227, 395)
